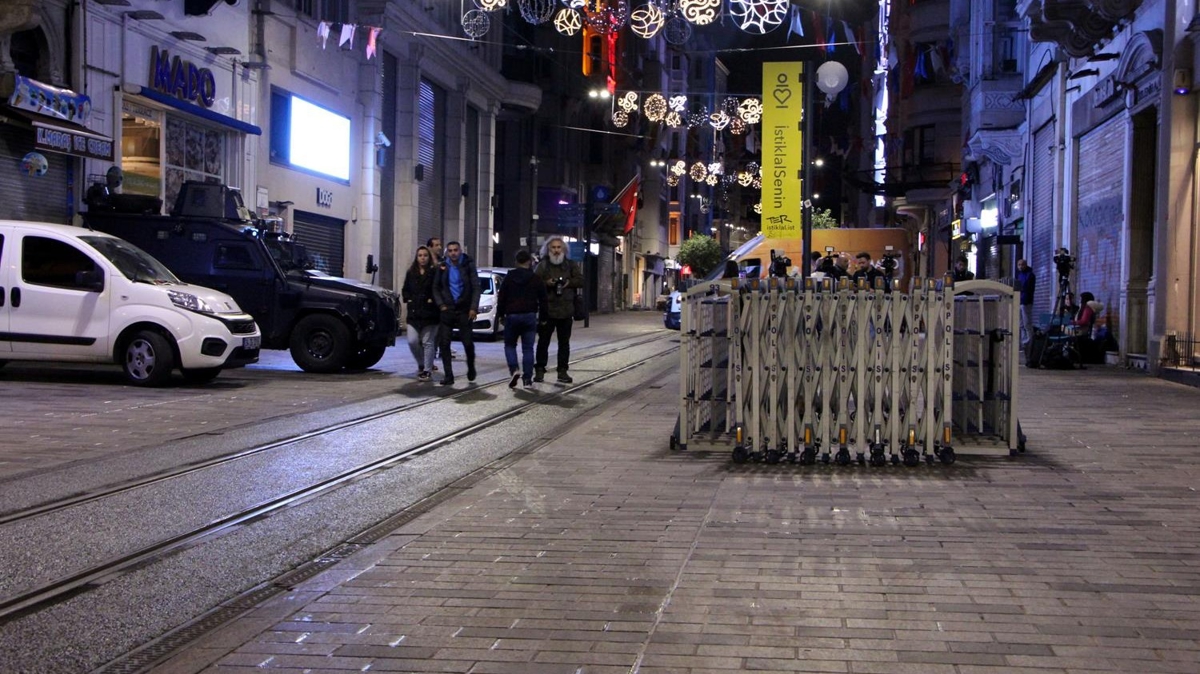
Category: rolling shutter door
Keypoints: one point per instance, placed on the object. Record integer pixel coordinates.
(44, 198)
(429, 153)
(325, 239)
(1099, 208)
(1040, 228)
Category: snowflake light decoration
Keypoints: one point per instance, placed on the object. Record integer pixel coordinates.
(699, 12)
(759, 16)
(737, 127)
(730, 106)
(647, 20)
(628, 102)
(744, 178)
(698, 118)
(699, 171)
(753, 168)
(677, 31)
(719, 120)
(751, 110)
(475, 24)
(678, 103)
(491, 5)
(679, 168)
(568, 22)
(756, 183)
(712, 179)
(620, 118)
(674, 120)
(536, 12)
(655, 107)
(672, 180)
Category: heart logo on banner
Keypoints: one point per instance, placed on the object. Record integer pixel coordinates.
(782, 95)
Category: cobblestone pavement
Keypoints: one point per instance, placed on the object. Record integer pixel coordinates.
(603, 551)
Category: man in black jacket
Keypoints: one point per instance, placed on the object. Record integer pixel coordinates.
(456, 292)
(563, 279)
(522, 300)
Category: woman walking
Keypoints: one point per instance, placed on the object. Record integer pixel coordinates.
(422, 312)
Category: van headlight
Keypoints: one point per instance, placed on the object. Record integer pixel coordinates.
(190, 302)
(485, 310)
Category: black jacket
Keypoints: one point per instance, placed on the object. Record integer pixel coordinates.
(469, 300)
(561, 306)
(418, 295)
(522, 292)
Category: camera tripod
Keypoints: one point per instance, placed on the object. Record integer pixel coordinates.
(1059, 342)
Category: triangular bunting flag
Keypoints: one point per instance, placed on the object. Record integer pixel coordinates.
(796, 25)
(347, 35)
(323, 32)
(372, 36)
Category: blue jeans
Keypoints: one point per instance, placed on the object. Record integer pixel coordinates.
(523, 326)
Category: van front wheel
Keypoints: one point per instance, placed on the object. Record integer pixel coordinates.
(147, 359)
(321, 344)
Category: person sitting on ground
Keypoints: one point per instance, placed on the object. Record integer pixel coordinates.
(1089, 310)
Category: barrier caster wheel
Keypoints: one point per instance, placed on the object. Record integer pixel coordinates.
(843, 457)
(862, 459)
(772, 456)
(808, 457)
(877, 457)
(895, 459)
(929, 459)
(740, 455)
(825, 458)
(947, 455)
(912, 457)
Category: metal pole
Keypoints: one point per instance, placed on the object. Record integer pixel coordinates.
(806, 179)
(533, 220)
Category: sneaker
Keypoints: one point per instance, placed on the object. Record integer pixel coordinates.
(539, 373)
(435, 368)
(512, 382)
(528, 383)
(471, 373)
(448, 380)
(424, 375)
(564, 378)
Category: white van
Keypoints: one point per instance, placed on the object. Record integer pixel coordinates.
(72, 294)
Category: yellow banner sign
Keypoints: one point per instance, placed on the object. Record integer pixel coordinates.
(783, 149)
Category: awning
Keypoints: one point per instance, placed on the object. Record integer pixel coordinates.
(52, 134)
(193, 109)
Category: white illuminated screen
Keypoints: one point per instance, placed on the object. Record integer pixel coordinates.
(320, 140)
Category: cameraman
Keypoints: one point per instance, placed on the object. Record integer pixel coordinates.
(865, 269)
(780, 265)
(1026, 282)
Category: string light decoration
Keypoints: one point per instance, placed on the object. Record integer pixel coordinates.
(575, 4)
(699, 12)
(568, 22)
(678, 103)
(679, 167)
(491, 5)
(737, 127)
(730, 105)
(647, 20)
(672, 180)
(475, 24)
(754, 168)
(759, 16)
(655, 107)
(536, 12)
(712, 179)
(674, 120)
(698, 172)
(716, 169)
(620, 119)
(607, 18)
(744, 178)
(758, 208)
(698, 118)
(756, 183)
(751, 110)
(628, 103)
(719, 120)
(677, 31)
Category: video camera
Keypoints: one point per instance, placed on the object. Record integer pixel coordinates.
(888, 264)
(779, 264)
(1064, 262)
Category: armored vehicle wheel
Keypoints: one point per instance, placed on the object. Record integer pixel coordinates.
(320, 344)
(366, 357)
(201, 375)
(147, 359)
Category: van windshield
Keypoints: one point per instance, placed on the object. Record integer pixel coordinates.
(133, 262)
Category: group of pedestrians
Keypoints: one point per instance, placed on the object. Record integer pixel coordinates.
(442, 294)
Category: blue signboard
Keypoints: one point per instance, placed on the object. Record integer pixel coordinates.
(576, 250)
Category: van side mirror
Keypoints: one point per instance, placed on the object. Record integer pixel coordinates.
(89, 280)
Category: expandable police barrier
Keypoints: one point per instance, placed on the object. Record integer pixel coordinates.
(843, 373)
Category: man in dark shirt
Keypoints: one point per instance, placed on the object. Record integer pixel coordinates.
(521, 302)
(456, 292)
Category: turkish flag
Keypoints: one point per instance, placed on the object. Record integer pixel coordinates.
(628, 202)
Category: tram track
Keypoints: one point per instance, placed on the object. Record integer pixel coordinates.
(50, 592)
(163, 476)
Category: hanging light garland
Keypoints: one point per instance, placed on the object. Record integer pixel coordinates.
(475, 24)
(655, 107)
(759, 17)
(672, 180)
(678, 103)
(629, 102)
(677, 31)
(698, 172)
(491, 5)
(679, 168)
(674, 120)
(647, 20)
(737, 127)
(536, 12)
(568, 22)
(620, 119)
(719, 120)
(699, 12)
